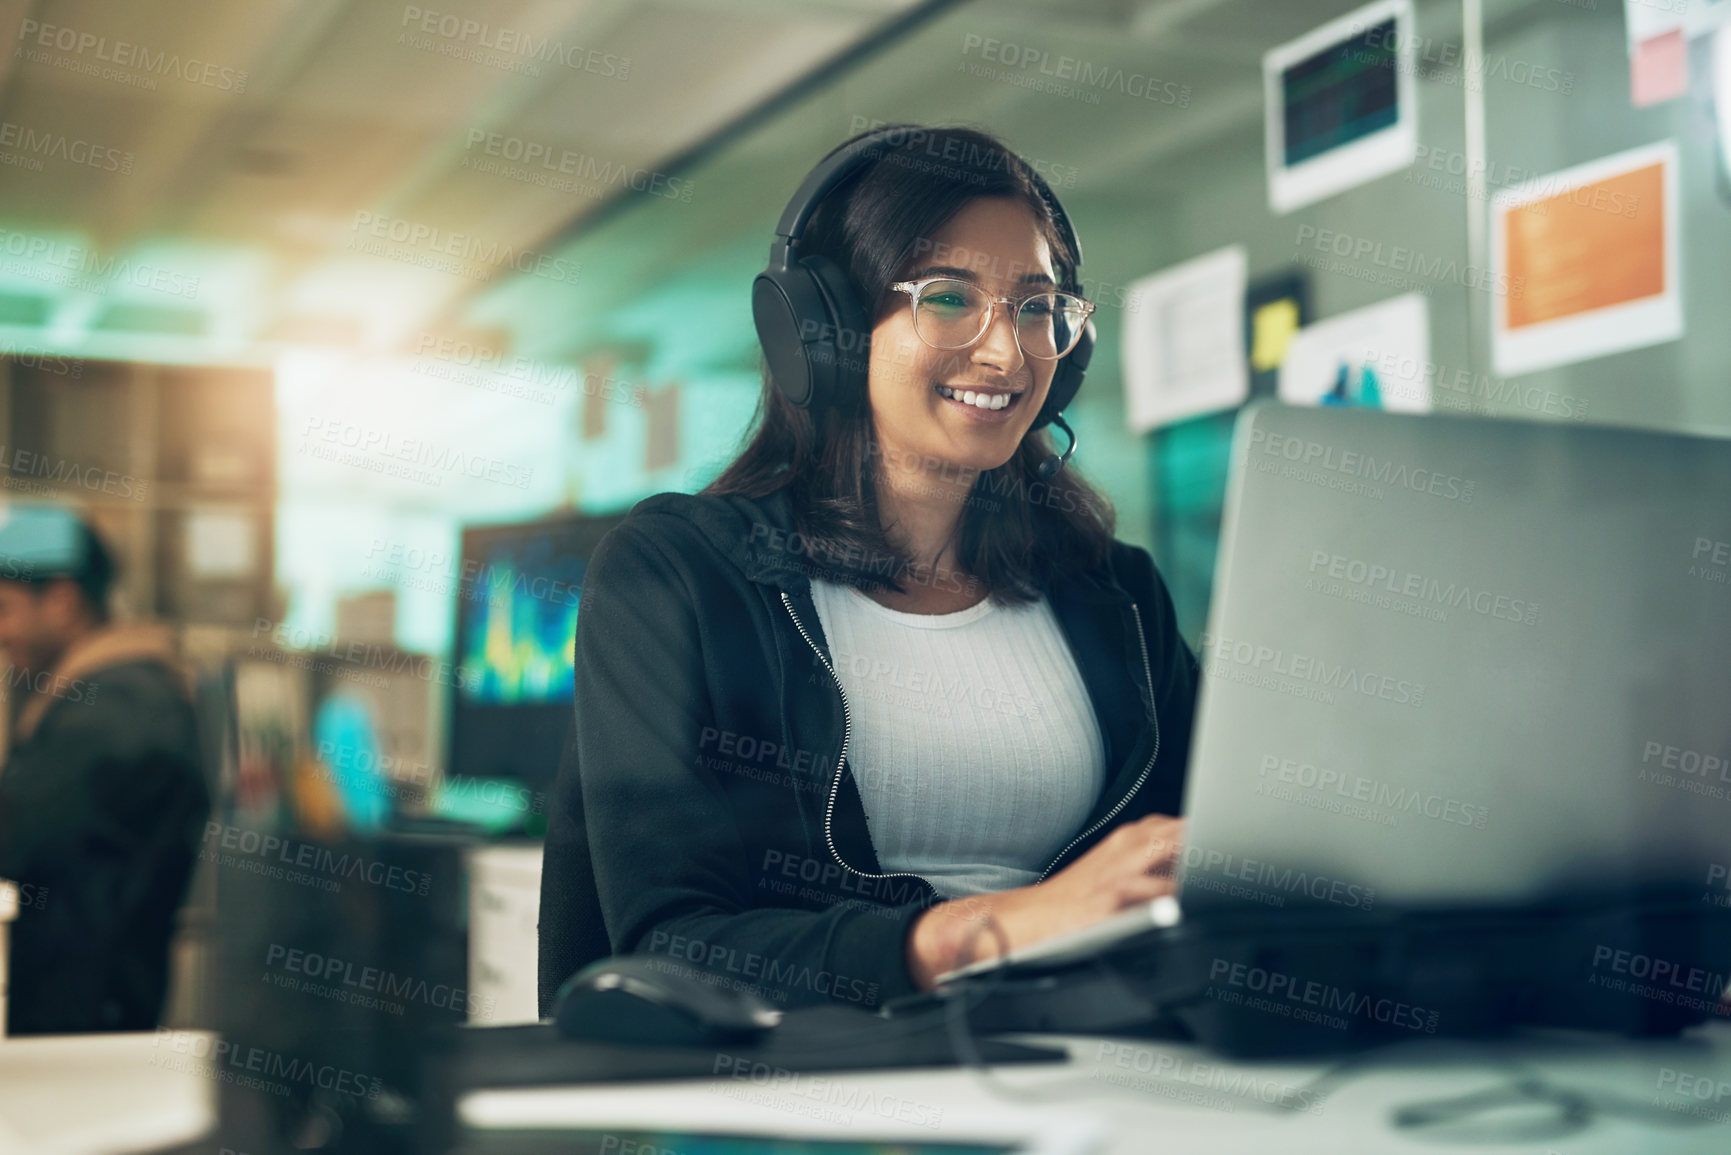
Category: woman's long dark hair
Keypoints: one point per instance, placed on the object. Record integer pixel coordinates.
(1016, 533)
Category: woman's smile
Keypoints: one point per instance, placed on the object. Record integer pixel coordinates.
(988, 405)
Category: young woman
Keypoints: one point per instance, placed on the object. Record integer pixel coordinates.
(888, 681)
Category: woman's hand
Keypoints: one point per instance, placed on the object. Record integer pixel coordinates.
(1134, 864)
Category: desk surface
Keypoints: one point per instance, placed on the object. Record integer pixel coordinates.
(112, 1093)
(1645, 1096)
(77, 1094)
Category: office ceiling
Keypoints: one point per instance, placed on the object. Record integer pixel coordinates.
(333, 161)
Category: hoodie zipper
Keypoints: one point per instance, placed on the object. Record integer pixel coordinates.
(1143, 777)
(846, 736)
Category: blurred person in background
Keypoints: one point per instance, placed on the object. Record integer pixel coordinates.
(890, 821)
(101, 793)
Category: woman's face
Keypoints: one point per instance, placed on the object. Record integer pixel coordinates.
(996, 243)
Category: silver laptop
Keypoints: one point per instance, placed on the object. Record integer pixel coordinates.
(1454, 661)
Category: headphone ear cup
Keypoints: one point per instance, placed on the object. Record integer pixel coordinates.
(1067, 379)
(815, 334)
(845, 338)
(783, 305)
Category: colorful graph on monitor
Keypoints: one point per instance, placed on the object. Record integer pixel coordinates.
(520, 623)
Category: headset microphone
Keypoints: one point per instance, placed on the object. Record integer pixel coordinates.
(1048, 469)
(815, 332)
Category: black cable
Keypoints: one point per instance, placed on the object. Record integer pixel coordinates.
(1457, 1117)
(961, 1028)
(1576, 1110)
(962, 1041)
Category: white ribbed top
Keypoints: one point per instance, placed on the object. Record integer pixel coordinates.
(975, 746)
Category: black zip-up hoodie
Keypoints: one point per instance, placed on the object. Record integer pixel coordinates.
(705, 808)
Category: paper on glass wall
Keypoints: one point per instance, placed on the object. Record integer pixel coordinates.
(1589, 257)
(1184, 340)
(1374, 357)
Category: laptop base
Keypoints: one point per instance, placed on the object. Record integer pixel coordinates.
(1291, 982)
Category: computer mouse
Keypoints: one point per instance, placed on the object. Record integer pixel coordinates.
(644, 1000)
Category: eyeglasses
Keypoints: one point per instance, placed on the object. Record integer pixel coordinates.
(952, 314)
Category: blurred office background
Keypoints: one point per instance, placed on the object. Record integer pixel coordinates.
(322, 309)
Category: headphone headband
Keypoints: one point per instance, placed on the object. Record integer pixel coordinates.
(836, 168)
(822, 180)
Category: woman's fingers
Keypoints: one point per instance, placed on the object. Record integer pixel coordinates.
(1142, 888)
(1160, 838)
(1164, 855)
(1135, 863)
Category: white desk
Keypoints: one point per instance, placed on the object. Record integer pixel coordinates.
(1159, 1108)
(89, 1094)
(104, 1093)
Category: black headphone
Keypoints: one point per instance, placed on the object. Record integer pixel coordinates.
(816, 334)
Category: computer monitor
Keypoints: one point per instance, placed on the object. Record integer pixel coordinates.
(511, 709)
